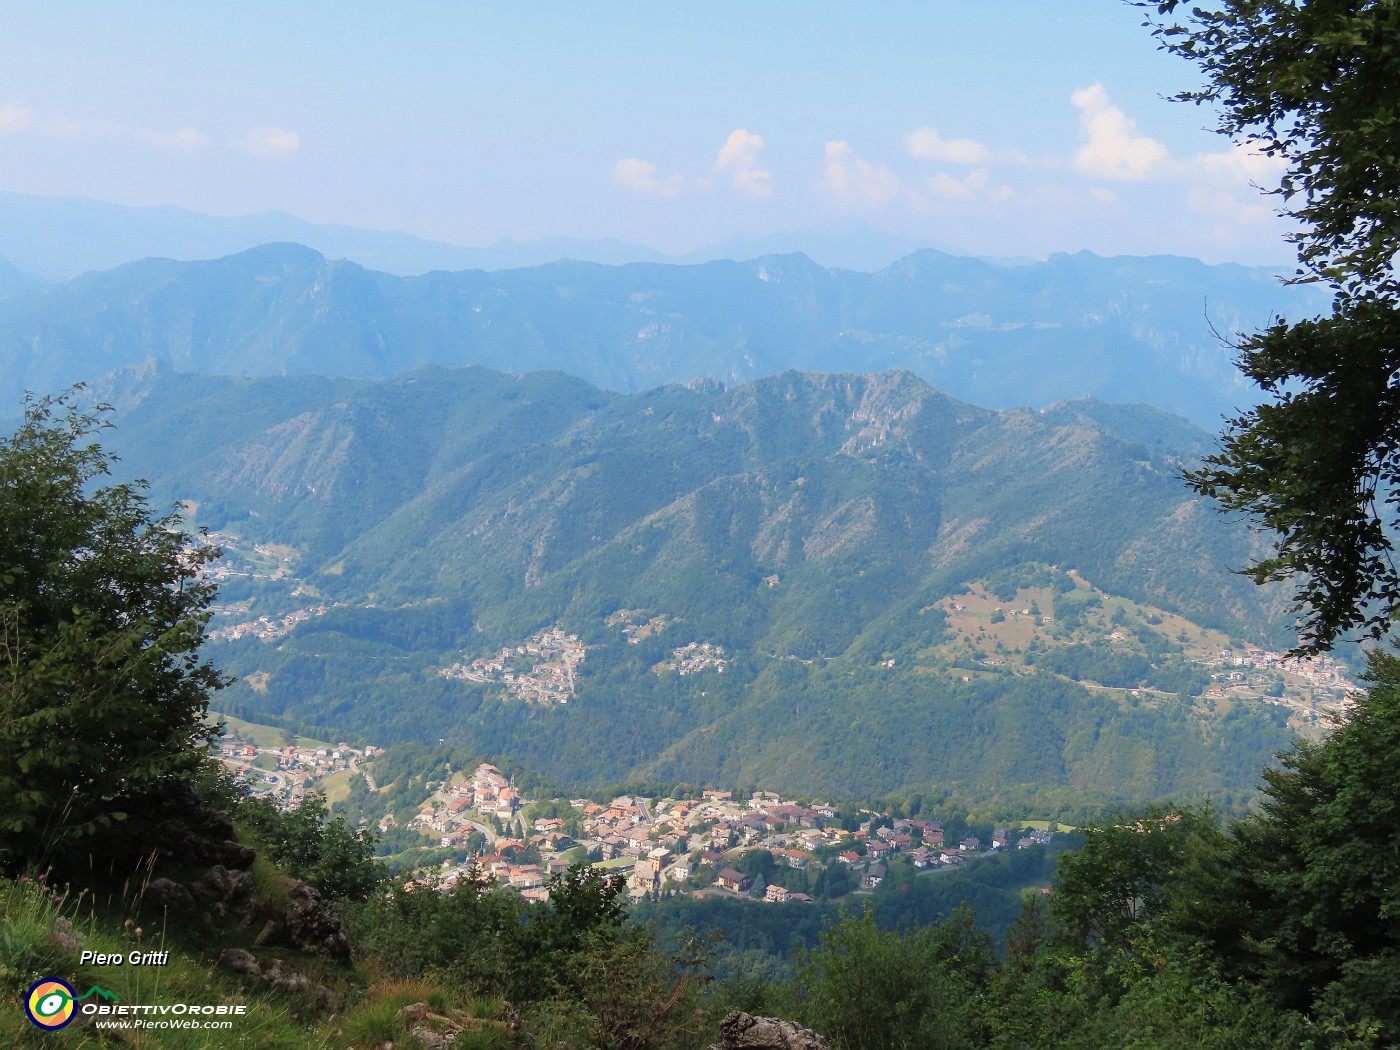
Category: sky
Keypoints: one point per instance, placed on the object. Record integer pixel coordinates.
(1014, 128)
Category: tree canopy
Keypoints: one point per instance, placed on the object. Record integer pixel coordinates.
(1316, 85)
(102, 611)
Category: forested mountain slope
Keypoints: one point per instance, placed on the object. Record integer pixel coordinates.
(868, 585)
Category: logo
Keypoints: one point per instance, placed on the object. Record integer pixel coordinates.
(50, 1002)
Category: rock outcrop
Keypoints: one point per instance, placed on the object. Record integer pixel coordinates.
(741, 1031)
(304, 923)
(274, 975)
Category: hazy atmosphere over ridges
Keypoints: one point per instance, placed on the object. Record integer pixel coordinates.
(1012, 130)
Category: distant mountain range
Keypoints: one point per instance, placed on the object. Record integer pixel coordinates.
(61, 237)
(876, 586)
(1150, 330)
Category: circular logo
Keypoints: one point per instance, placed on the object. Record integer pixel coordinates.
(49, 1003)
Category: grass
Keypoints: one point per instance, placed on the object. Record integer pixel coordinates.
(382, 1017)
(972, 629)
(377, 1020)
(39, 934)
(270, 883)
(261, 735)
(336, 786)
(616, 862)
(1045, 825)
(44, 932)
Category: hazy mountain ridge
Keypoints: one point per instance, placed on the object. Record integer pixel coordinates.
(537, 464)
(60, 237)
(1118, 329)
(12, 279)
(808, 524)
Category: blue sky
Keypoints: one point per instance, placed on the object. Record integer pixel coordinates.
(1014, 128)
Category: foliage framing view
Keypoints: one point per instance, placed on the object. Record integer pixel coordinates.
(101, 619)
(1317, 85)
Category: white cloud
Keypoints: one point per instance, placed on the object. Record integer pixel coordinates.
(753, 183)
(68, 128)
(740, 150)
(1219, 187)
(737, 161)
(975, 185)
(1225, 187)
(1233, 218)
(850, 182)
(268, 143)
(926, 144)
(14, 117)
(183, 139)
(1229, 209)
(739, 155)
(640, 175)
(1244, 162)
(1114, 150)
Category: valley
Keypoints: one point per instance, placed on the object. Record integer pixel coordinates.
(474, 823)
(805, 581)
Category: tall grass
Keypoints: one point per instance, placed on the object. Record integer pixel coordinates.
(39, 934)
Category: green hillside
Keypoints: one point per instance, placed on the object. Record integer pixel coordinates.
(383, 536)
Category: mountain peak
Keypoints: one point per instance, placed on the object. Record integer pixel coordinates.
(287, 253)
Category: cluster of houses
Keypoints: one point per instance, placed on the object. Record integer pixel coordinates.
(690, 844)
(694, 658)
(1321, 671)
(237, 562)
(452, 812)
(527, 879)
(544, 670)
(293, 770)
(922, 841)
(266, 563)
(635, 632)
(267, 628)
(455, 812)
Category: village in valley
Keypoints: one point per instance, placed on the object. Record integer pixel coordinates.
(762, 847)
(695, 844)
(544, 670)
(1000, 634)
(988, 633)
(1233, 670)
(266, 628)
(693, 658)
(476, 824)
(254, 563)
(287, 772)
